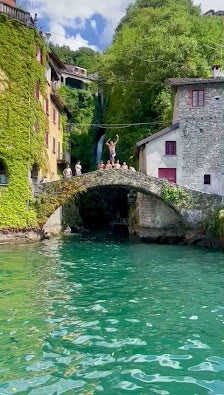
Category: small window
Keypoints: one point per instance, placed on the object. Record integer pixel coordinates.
(37, 91)
(198, 98)
(171, 148)
(54, 146)
(47, 106)
(54, 115)
(39, 55)
(207, 179)
(47, 139)
(59, 150)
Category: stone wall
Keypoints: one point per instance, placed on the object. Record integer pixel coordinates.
(157, 221)
(202, 136)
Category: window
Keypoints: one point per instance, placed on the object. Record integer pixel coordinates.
(59, 121)
(37, 91)
(3, 174)
(207, 179)
(48, 73)
(47, 139)
(39, 55)
(54, 115)
(198, 98)
(54, 146)
(36, 126)
(47, 106)
(171, 148)
(59, 150)
(170, 174)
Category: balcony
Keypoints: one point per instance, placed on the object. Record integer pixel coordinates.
(16, 13)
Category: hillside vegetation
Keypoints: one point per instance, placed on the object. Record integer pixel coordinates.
(157, 39)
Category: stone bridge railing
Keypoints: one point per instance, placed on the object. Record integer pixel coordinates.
(192, 206)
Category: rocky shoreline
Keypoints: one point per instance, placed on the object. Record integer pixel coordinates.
(190, 239)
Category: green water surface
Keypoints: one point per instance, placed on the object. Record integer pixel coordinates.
(95, 314)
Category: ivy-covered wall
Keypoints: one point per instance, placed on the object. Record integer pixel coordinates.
(20, 145)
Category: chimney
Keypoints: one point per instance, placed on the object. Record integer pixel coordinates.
(11, 3)
(216, 71)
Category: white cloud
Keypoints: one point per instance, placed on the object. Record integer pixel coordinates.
(60, 37)
(93, 24)
(74, 13)
(69, 10)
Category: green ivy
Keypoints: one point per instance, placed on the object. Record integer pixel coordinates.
(173, 194)
(20, 146)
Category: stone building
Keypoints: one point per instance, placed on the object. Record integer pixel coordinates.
(190, 152)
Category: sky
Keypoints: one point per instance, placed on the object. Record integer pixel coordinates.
(87, 23)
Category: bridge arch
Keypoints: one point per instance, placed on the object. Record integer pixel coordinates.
(190, 210)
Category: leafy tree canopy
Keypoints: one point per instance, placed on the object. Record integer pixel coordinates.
(156, 40)
(83, 57)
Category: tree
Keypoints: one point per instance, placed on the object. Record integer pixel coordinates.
(83, 57)
(157, 39)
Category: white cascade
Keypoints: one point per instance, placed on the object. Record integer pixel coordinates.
(100, 148)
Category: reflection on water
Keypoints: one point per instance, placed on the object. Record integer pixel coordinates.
(95, 314)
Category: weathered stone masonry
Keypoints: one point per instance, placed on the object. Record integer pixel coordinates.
(170, 216)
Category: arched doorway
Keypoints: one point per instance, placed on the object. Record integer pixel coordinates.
(35, 174)
(3, 174)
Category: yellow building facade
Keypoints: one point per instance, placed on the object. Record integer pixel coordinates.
(54, 135)
(54, 110)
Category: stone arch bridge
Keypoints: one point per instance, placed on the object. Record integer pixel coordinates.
(189, 206)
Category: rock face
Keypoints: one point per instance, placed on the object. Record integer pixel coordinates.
(20, 237)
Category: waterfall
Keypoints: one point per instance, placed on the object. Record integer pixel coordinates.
(100, 148)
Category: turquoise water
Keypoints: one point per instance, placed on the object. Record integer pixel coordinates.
(95, 314)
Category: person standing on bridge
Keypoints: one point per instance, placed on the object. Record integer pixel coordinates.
(78, 169)
(67, 173)
(112, 149)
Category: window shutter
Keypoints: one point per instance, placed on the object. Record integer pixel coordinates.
(171, 148)
(54, 115)
(200, 98)
(37, 91)
(47, 139)
(47, 106)
(41, 57)
(59, 150)
(54, 146)
(195, 99)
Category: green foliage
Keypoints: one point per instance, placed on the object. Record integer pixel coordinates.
(54, 196)
(20, 146)
(175, 195)
(71, 214)
(81, 105)
(83, 57)
(213, 225)
(157, 39)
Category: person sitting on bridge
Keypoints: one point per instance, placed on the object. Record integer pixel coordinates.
(78, 169)
(67, 173)
(117, 165)
(112, 149)
(124, 166)
(100, 166)
(108, 165)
